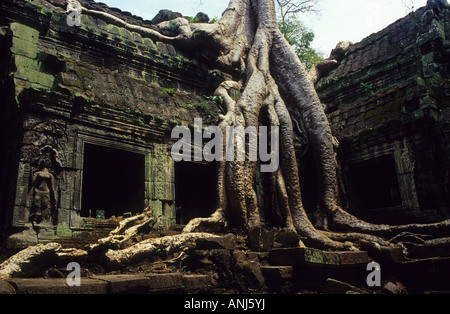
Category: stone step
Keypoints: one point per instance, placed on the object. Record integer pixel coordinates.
(312, 267)
(156, 283)
(431, 250)
(420, 275)
(333, 286)
(57, 286)
(113, 284)
(308, 256)
(6, 288)
(277, 275)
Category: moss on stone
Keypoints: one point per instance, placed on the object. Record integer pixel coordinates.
(25, 32)
(63, 230)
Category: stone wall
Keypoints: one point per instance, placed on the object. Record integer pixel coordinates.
(388, 103)
(97, 84)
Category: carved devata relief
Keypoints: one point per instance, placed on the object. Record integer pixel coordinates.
(42, 200)
(42, 188)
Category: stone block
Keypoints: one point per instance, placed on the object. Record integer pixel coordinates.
(58, 286)
(420, 251)
(288, 239)
(6, 288)
(391, 288)
(123, 284)
(23, 239)
(277, 275)
(333, 286)
(227, 242)
(193, 283)
(304, 256)
(165, 282)
(20, 216)
(66, 199)
(157, 207)
(22, 196)
(160, 190)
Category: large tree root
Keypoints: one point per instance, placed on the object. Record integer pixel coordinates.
(341, 220)
(152, 248)
(127, 229)
(24, 262)
(111, 252)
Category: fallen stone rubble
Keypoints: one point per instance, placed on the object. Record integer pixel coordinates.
(224, 264)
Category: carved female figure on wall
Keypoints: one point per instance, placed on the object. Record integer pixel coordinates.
(43, 205)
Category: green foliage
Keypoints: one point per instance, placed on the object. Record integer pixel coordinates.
(368, 88)
(217, 99)
(168, 91)
(204, 106)
(213, 20)
(187, 106)
(193, 19)
(155, 78)
(174, 27)
(299, 36)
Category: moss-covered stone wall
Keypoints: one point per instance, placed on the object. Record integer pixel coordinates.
(95, 84)
(388, 99)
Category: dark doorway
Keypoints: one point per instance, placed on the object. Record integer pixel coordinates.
(113, 182)
(373, 184)
(195, 190)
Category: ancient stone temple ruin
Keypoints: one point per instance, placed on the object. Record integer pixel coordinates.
(388, 103)
(88, 110)
(86, 121)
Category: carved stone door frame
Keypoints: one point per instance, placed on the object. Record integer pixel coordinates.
(84, 138)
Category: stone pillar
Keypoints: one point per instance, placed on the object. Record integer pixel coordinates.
(160, 184)
(405, 165)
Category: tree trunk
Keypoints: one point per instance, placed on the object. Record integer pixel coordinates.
(274, 82)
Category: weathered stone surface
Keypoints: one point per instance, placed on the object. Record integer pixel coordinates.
(391, 288)
(127, 284)
(395, 254)
(277, 275)
(122, 88)
(111, 284)
(58, 286)
(429, 249)
(250, 274)
(163, 282)
(303, 256)
(382, 100)
(165, 15)
(119, 284)
(227, 242)
(287, 239)
(6, 288)
(427, 265)
(192, 283)
(333, 286)
(202, 17)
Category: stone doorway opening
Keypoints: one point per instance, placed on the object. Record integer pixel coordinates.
(113, 182)
(195, 190)
(374, 184)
